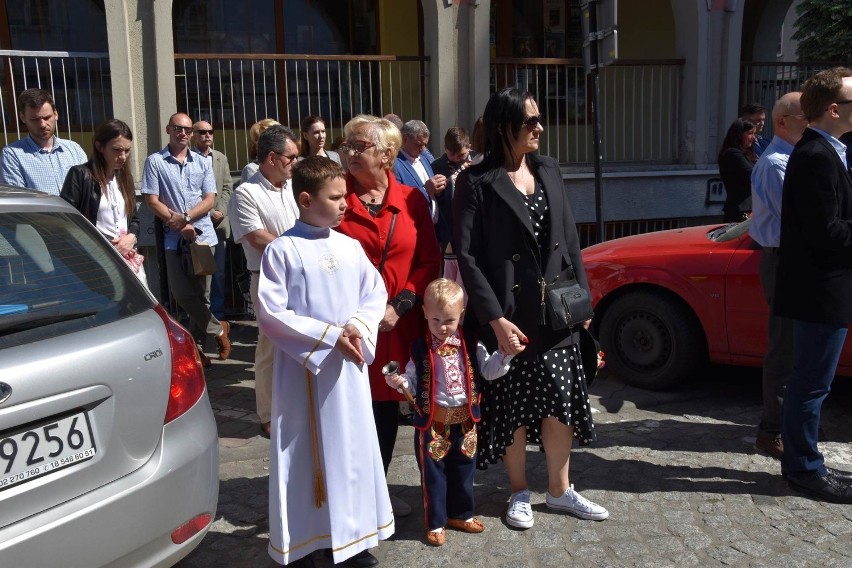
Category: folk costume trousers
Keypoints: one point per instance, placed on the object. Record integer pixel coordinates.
(447, 482)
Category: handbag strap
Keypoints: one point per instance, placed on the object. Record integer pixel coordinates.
(387, 244)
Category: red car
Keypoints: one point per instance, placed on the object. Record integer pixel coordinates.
(665, 302)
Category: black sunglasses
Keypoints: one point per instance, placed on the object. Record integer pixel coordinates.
(177, 128)
(203, 132)
(532, 122)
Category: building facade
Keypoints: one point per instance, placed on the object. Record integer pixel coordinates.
(684, 69)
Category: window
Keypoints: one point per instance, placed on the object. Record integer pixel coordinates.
(55, 25)
(537, 28)
(58, 276)
(318, 27)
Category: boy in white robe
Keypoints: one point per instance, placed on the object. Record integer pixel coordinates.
(320, 302)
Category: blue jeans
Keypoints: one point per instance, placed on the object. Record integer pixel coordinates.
(816, 351)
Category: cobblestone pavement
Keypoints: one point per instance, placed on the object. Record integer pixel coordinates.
(677, 471)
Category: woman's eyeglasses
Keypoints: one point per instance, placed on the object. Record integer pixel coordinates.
(356, 147)
(532, 122)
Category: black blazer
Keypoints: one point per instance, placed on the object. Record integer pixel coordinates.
(735, 170)
(815, 264)
(494, 241)
(83, 191)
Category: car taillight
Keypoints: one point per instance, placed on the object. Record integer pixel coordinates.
(190, 528)
(187, 373)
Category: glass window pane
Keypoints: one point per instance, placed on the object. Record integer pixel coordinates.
(57, 25)
(201, 26)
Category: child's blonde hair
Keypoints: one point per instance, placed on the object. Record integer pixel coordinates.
(444, 292)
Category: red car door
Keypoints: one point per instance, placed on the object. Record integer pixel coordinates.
(745, 306)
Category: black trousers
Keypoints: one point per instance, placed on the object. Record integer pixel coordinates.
(386, 415)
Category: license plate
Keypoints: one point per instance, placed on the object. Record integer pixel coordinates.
(43, 449)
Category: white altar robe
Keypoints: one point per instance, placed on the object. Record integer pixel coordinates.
(313, 281)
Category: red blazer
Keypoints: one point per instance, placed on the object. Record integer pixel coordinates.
(413, 261)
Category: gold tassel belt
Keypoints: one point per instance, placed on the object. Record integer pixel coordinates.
(454, 415)
(319, 481)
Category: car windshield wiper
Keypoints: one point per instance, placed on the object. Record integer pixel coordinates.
(22, 322)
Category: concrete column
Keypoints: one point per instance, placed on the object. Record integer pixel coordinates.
(478, 50)
(708, 39)
(141, 53)
(456, 41)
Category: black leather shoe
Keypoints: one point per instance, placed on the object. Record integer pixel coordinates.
(844, 476)
(361, 560)
(827, 488)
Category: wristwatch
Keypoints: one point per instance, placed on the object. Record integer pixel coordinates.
(187, 218)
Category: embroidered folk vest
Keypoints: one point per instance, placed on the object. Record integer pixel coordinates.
(424, 361)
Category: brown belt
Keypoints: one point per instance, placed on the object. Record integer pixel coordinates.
(454, 415)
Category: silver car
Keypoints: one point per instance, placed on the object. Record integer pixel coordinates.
(108, 447)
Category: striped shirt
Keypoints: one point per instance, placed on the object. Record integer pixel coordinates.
(180, 187)
(25, 164)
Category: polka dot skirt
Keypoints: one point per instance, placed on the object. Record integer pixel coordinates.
(553, 384)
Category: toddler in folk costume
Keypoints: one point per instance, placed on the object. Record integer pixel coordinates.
(442, 376)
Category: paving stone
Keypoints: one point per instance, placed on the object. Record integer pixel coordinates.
(677, 470)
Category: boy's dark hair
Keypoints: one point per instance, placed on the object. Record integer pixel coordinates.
(821, 90)
(312, 173)
(752, 108)
(34, 98)
(456, 139)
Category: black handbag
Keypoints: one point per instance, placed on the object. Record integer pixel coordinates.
(568, 304)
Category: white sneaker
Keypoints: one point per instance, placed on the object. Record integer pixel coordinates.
(400, 507)
(519, 514)
(574, 503)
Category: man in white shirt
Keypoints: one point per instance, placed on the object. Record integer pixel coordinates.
(260, 210)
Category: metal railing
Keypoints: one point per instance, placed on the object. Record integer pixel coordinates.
(639, 107)
(79, 82)
(765, 82)
(617, 229)
(235, 91)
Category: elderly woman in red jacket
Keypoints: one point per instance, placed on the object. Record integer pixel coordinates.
(393, 224)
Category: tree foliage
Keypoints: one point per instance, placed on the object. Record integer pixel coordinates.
(824, 30)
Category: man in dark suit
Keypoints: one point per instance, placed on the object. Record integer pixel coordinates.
(413, 167)
(457, 157)
(814, 280)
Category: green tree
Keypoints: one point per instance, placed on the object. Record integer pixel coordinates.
(824, 30)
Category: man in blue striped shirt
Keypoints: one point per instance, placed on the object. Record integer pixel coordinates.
(41, 159)
(180, 189)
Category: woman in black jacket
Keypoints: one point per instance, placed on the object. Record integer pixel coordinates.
(102, 189)
(736, 160)
(514, 227)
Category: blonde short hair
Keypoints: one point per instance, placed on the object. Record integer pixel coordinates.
(381, 132)
(444, 292)
(255, 131)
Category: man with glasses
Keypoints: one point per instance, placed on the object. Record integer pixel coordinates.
(756, 113)
(767, 182)
(41, 159)
(260, 210)
(179, 188)
(814, 280)
(202, 142)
